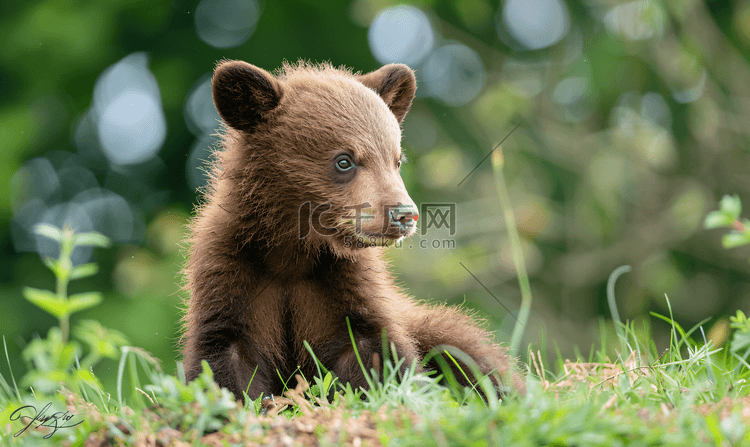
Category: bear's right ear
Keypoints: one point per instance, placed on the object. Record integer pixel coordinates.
(396, 84)
(244, 94)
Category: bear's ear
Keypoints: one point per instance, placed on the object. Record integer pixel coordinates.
(244, 94)
(396, 84)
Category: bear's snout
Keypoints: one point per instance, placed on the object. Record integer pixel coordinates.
(404, 218)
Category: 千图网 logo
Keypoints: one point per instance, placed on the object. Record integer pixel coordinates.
(437, 215)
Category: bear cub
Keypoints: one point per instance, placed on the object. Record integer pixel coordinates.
(286, 247)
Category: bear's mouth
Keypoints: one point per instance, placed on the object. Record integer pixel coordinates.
(394, 223)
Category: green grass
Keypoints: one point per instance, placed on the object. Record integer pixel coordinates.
(692, 393)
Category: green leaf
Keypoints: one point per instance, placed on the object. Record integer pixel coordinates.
(731, 205)
(82, 301)
(49, 231)
(47, 301)
(713, 424)
(92, 238)
(67, 356)
(82, 271)
(718, 219)
(102, 341)
(87, 376)
(327, 380)
(739, 322)
(735, 239)
(57, 266)
(50, 263)
(740, 342)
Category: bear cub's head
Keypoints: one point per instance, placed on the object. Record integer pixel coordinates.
(314, 152)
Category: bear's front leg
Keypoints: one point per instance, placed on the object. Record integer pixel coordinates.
(372, 352)
(233, 361)
(347, 367)
(440, 325)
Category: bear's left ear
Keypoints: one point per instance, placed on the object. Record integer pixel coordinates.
(244, 94)
(396, 84)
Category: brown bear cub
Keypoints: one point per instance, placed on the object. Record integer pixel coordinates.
(287, 246)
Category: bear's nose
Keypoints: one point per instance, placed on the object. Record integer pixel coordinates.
(404, 215)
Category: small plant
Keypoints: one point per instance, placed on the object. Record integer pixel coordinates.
(58, 303)
(740, 344)
(55, 359)
(200, 405)
(728, 216)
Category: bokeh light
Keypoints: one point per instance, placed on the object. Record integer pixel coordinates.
(199, 160)
(573, 95)
(226, 23)
(533, 24)
(454, 74)
(401, 34)
(636, 20)
(526, 78)
(37, 178)
(59, 190)
(204, 121)
(200, 114)
(130, 121)
(692, 93)
(570, 90)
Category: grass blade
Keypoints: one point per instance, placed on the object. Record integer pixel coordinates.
(613, 305)
(516, 250)
(13, 379)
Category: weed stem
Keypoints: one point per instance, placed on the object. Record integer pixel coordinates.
(516, 250)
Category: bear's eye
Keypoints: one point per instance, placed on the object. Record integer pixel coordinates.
(344, 163)
(401, 160)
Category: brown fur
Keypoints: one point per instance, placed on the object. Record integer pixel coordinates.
(259, 285)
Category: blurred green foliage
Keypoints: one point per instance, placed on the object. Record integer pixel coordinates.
(56, 360)
(728, 216)
(634, 123)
